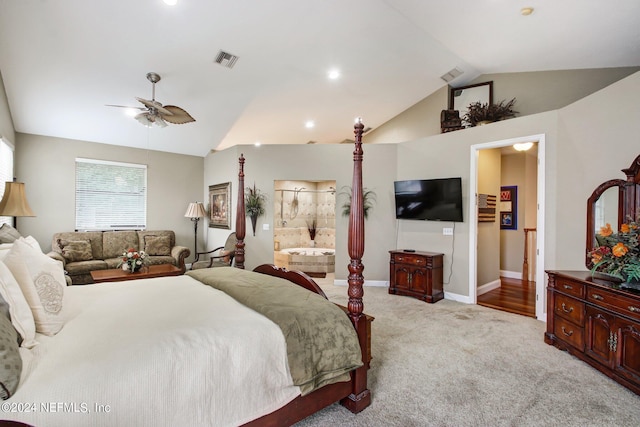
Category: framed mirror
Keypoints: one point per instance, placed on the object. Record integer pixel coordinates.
(461, 97)
(613, 202)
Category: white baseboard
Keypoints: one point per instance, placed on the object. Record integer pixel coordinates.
(488, 287)
(372, 283)
(457, 297)
(511, 274)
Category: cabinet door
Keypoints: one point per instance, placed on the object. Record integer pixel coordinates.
(419, 280)
(627, 357)
(402, 277)
(599, 336)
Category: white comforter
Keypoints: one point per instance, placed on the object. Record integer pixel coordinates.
(155, 352)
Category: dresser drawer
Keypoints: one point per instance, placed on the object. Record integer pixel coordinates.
(411, 259)
(570, 309)
(570, 287)
(569, 333)
(629, 307)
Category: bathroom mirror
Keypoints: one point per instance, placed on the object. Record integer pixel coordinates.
(613, 202)
(461, 97)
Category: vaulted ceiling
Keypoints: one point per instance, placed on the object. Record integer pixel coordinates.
(62, 61)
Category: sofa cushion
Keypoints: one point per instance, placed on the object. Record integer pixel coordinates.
(157, 245)
(95, 237)
(8, 234)
(114, 243)
(156, 260)
(75, 250)
(85, 267)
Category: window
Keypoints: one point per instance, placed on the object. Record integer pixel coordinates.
(110, 195)
(6, 172)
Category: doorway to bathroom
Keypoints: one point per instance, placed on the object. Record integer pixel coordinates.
(304, 226)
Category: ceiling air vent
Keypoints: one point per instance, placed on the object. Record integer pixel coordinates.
(226, 59)
(452, 74)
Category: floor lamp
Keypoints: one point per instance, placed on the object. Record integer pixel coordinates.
(14, 201)
(195, 211)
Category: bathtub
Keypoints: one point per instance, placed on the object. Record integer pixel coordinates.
(313, 261)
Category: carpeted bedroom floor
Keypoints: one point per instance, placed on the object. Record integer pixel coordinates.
(454, 364)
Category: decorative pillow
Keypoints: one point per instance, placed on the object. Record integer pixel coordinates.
(8, 234)
(31, 241)
(21, 316)
(157, 245)
(75, 250)
(42, 281)
(10, 360)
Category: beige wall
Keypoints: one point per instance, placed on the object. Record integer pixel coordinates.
(6, 123)
(535, 92)
(489, 168)
(269, 163)
(47, 166)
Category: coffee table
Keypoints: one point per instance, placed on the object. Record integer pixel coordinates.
(118, 274)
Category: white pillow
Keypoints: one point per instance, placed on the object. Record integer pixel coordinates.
(42, 281)
(31, 241)
(4, 249)
(21, 316)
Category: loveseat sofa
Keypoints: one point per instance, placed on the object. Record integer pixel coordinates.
(83, 252)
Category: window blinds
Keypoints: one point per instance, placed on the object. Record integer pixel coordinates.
(110, 195)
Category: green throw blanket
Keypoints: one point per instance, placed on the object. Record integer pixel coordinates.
(322, 345)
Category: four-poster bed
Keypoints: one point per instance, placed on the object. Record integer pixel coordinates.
(170, 351)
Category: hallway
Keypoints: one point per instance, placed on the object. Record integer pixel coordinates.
(514, 296)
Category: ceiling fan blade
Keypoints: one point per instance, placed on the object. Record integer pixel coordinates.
(124, 106)
(154, 104)
(177, 116)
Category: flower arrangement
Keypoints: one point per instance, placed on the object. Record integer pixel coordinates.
(618, 254)
(132, 260)
(312, 227)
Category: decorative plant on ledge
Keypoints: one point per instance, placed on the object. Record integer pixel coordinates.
(254, 204)
(480, 113)
(368, 197)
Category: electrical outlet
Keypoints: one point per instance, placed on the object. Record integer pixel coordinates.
(447, 231)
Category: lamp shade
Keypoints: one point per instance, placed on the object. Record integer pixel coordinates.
(195, 210)
(14, 201)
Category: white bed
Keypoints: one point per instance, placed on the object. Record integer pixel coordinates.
(183, 353)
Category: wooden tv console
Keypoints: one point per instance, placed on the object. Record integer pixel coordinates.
(416, 274)
(594, 320)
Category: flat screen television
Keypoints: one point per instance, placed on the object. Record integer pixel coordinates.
(429, 199)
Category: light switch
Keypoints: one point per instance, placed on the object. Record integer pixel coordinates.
(265, 227)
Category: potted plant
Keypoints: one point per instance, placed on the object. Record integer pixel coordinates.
(312, 231)
(368, 197)
(480, 113)
(254, 204)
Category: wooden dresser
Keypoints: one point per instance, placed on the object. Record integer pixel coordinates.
(416, 274)
(596, 322)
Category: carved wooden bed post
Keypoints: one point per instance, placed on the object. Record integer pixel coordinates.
(240, 217)
(360, 396)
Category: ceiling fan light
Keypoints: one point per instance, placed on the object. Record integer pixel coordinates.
(523, 146)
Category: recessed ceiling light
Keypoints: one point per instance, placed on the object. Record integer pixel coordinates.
(526, 11)
(334, 74)
(309, 124)
(171, 2)
(257, 143)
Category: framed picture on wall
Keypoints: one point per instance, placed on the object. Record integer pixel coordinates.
(509, 207)
(220, 205)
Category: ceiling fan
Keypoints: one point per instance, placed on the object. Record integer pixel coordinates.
(154, 113)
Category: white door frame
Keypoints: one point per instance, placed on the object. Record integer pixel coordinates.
(473, 218)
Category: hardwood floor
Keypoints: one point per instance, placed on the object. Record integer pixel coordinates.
(515, 296)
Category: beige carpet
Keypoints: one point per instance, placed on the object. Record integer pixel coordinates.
(453, 364)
